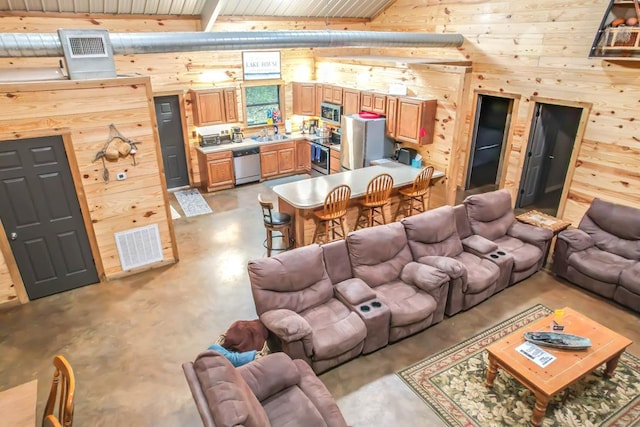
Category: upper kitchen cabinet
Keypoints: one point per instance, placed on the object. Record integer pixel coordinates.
(373, 102)
(304, 99)
(332, 94)
(391, 123)
(350, 101)
(618, 36)
(214, 106)
(415, 120)
(318, 99)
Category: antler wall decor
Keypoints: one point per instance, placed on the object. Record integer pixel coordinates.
(117, 146)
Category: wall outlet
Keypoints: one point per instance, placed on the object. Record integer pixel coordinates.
(121, 176)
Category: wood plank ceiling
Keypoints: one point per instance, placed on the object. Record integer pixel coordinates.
(360, 9)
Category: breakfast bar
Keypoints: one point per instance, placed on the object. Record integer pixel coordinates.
(301, 198)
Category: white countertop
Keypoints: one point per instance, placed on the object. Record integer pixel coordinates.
(310, 193)
(250, 143)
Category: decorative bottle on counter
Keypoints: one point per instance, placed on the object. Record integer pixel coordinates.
(275, 129)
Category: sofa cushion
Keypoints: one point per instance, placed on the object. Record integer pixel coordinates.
(609, 242)
(291, 407)
(630, 278)
(407, 303)
(336, 329)
(524, 255)
(295, 280)
(433, 233)
(490, 214)
(627, 219)
(601, 265)
(231, 401)
(379, 253)
(481, 273)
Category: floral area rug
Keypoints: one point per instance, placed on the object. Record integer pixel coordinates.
(452, 384)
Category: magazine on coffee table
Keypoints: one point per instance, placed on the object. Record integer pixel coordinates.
(536, 354)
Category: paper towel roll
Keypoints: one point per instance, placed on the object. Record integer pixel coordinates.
(287, 126)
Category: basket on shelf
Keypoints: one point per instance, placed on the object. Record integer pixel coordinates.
(621, 38)
(263, 352)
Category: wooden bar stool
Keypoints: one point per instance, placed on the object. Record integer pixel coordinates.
(275, 221)
(415, 198)
(377, 196)
(333, 215)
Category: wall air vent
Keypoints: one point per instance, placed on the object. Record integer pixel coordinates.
(139, 247)
(88, 54)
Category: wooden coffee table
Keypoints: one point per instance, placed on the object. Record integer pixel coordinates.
(569, 367)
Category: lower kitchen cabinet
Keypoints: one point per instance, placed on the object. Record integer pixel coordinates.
(278, 159)
(303, 155)
(216, 170)
(334, 161)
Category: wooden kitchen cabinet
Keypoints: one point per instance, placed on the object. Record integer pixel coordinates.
(278, 159)
(415, 120)
(216, 170)
(318, 98)
(350, 101)
(391, 123)
(332, 94)
(304, 99)
(373, 102)
(215, 106)
(303, 155)
(334, 161)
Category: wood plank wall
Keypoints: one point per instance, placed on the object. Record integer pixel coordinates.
(84, 110)
(540, 49)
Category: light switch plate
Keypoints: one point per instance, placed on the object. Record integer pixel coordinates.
(121, 176)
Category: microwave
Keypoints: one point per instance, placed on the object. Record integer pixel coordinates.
(331, 112)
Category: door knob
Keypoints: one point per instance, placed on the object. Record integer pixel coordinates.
(13, 236)
(551, 157)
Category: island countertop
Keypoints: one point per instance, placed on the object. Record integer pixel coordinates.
(310, 193)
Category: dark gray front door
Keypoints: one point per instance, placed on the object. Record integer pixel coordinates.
(535, 159)
(171, 141)
(41, 216)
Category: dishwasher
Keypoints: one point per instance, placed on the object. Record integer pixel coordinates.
(246, 164)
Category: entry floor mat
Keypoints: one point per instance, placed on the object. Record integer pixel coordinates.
(192, 202)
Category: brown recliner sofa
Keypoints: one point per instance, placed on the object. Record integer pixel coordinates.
(491, 216)
(434, 240)
(295, 300)
(603, 253)
(271, 391)
(415, 293)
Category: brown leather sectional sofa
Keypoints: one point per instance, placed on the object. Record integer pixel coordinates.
(603, 253)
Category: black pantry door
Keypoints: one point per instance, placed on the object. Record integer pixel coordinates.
(41, 216)
(171, 141)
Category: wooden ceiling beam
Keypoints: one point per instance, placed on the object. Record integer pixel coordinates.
(210, 12)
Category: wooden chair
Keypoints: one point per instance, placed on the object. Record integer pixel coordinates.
(415, 198)
(61, 395)
(376, 197)
(333, 215)
(275, 221)
(51, 421)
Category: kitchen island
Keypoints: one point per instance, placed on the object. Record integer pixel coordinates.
(301, 198)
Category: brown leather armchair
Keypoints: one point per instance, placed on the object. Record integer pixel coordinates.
(271, 391)
(416, 294)
(491, 216)
(603, 253)
(294, 299)
(434, 240)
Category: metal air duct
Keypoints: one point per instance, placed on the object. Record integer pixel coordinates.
(45, 44)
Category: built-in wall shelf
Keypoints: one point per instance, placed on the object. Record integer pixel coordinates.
(621, 42)
(392, 61)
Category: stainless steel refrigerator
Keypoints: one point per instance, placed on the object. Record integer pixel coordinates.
(363, 140)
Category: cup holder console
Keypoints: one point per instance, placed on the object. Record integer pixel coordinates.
(501, 253)
(365, 308)
(497, 254)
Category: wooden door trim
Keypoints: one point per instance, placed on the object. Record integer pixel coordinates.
(582, 125)
(65, 135)
(515, 97)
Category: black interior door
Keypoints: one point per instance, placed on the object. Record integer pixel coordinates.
(42, 218)
(171, 141)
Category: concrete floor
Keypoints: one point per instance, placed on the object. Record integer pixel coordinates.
(126, 339)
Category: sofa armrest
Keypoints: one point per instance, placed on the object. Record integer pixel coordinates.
(286, 324)
(270, 374)
(354, 291)
(198, 395)
(423, 276)
(452, 267)
(478, 245)
(319, 395)
(537, 236)
(577, 239)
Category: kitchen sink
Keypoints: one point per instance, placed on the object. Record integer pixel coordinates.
(273, 138)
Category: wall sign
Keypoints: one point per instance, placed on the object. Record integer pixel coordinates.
(261, 65)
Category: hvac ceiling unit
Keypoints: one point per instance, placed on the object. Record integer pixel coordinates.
(88, 54)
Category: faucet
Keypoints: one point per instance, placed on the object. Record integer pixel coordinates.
(264, 132)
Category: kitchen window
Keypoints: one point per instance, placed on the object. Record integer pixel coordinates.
(261, 101)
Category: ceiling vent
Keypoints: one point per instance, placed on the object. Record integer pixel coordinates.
(88, 54)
